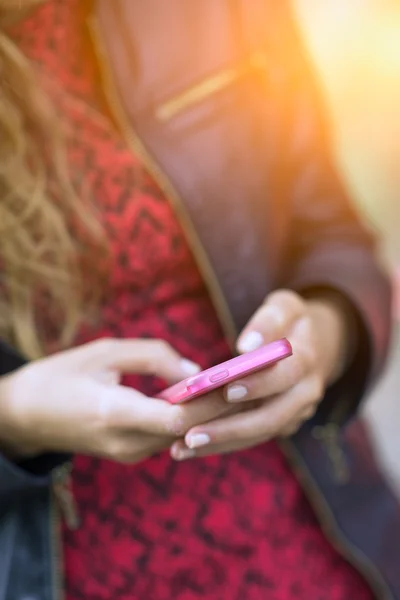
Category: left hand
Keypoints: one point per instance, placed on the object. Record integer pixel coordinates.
(275, 402)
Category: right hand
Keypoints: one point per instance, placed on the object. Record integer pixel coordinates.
(73, 402)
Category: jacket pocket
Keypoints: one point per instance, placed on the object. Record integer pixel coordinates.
(213, 84)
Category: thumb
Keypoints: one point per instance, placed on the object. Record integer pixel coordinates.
(272, 321)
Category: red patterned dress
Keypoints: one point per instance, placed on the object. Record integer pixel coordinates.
(224, 528)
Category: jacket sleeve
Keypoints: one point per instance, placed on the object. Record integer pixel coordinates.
(15, 477)
(331, 249)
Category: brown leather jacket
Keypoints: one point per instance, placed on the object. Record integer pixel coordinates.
(218, 99)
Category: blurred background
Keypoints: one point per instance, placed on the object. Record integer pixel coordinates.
(355, 46)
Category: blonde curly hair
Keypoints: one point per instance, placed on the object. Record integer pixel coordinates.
(40, 259)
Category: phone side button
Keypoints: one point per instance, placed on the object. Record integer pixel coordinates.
(220, 376)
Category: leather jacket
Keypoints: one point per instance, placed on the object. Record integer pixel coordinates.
(227, 117)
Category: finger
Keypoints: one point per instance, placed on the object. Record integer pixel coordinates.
(179, 450)
(291, 429)
(122, 408)
(294, 427)
(283, 375)
(147, 357)
(272, 321)
(265, 421)
(306, 414)
(129, 449)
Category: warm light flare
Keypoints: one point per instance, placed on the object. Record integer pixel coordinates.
(356, 48)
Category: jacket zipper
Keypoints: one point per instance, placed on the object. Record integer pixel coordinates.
(63, 494)
(350, 552)
(209, 86)
(62, 506)
(328, 435)
(56, 551)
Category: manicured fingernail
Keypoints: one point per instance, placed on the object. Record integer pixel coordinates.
(275, 314)
(189, 368)
(197, 440)
(251, 341)
(236, 393)
(182, 453)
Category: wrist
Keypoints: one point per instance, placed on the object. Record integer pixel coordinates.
(9, 444)
(335, 327)
(5, 418)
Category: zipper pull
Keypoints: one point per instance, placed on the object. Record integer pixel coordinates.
(63, 493)
(329, 436)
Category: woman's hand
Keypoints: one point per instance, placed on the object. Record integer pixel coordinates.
(276, 401)
(73, 402)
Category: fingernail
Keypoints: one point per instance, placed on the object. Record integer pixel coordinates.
(189, 368)
(275, 314)
(198, 440)
(236, 393)
(182, 453)
(251, 341)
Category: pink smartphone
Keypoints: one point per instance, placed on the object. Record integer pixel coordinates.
(231, 370)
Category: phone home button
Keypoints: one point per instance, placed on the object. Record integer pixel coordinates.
(220, 376)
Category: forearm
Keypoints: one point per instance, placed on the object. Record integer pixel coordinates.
(336, 326)
(10, 361)
(8, 448)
